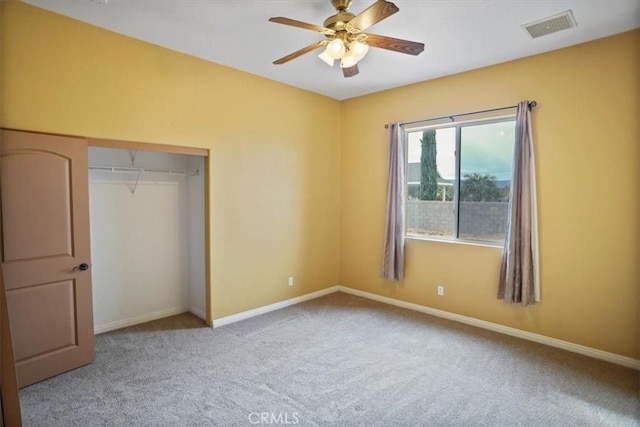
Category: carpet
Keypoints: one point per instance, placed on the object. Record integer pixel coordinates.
(338, 360)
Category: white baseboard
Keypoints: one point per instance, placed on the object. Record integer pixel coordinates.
(196, 311)
(119, 324)
(530, 336)
(553, 342)
(271, 307)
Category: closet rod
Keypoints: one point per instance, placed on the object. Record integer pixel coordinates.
(141, 170)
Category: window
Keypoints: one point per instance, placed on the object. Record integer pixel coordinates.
(459, 178)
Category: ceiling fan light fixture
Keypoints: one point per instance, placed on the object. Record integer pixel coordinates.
(358, 49)
(326, 57)
(344, 36)
(336, 48)
(348, 60)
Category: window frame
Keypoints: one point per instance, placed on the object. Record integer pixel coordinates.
(458, 125)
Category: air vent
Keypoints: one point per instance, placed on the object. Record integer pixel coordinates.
(552, 24)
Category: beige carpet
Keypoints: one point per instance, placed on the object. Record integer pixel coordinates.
(339, 360)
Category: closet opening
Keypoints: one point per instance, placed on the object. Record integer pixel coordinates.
(149, 245)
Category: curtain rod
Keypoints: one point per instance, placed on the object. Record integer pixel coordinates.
(451, 116)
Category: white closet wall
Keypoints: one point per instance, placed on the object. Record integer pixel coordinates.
(147, 260)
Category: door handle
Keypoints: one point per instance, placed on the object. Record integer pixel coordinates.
(82, 267)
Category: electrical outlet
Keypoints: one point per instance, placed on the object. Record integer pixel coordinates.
(290, 280)
(440, 290)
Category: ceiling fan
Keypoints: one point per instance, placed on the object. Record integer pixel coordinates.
(344, 39)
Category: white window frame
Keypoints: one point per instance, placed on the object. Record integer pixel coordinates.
(458, 124)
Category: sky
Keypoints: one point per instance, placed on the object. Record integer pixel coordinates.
(486, 149)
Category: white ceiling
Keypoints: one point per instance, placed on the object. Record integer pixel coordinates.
(459, 35)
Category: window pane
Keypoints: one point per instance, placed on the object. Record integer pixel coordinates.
(485, 180)
(430, 179)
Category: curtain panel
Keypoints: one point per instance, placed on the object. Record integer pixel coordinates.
(519, 273)
(393, 249)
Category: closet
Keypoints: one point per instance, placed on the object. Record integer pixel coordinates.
(147, 216)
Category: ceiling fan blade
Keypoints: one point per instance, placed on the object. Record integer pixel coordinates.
(300, 52)
(300, 24)
(397, 45)
(373, 14)
(350, 71)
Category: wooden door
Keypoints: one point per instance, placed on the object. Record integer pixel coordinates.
(10, 408)
(45, 252)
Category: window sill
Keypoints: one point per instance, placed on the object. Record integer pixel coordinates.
(495, 245)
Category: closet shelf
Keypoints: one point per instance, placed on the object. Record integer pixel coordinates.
(141, 170)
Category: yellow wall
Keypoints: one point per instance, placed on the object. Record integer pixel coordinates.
(588, 160)
(275, 168)
(289, 198)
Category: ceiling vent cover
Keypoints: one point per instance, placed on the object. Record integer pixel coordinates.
(550, 25)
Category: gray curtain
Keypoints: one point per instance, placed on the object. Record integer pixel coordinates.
(519, 275)
(393, 250)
